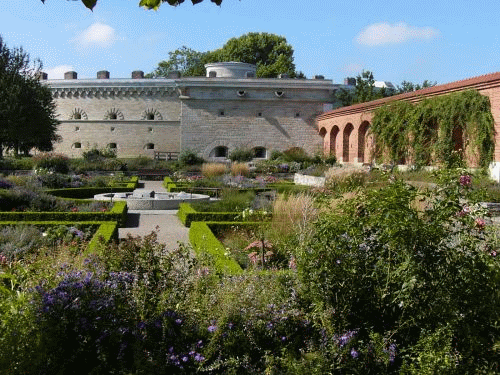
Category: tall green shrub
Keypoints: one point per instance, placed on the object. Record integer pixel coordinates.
(404, 265)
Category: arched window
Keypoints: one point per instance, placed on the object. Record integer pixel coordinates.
(219, 152)
(260, 152)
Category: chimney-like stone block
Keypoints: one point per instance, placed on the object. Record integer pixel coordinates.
(102, 74)
(137, 74)
(70, 75)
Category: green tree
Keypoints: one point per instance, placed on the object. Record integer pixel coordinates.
(271, 53)
(27, 109)
(185, 60)
(410, 86)
(149, 4)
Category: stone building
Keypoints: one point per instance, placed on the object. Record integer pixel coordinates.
(213, 115)
(346, 131)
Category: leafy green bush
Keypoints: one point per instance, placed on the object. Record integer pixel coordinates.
(189, 157)
(404, 265)
(296, 154)
(241, 155)
(56, 163)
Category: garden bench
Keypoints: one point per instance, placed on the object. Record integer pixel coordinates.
(166, 155)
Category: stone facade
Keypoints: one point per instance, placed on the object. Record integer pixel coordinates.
(209, 115)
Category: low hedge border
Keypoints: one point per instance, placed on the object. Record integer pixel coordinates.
(187, 214)
(117, 213)
(204, 242)
(106, 232)
(89, 192)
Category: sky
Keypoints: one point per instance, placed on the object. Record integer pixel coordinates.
(442, 41)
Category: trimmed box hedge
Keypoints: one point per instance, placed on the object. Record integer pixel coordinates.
(204, 242)
(187, 214)
(89, 192)
(117, 213)
(106, 232)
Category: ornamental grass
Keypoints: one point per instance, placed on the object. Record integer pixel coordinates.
(210, 170)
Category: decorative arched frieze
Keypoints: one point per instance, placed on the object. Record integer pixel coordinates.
(113, 114)
(78, 114)
(151, 114)
(119, 92)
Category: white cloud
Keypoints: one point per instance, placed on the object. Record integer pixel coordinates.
(57, 72)
(97, 34)
(384, 33)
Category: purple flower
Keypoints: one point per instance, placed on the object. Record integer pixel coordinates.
(230, 325)
(198, 357)
(185, 358)
(392, 353)
(178, 321)
(354, 353)
(345, 338)
(212, 328)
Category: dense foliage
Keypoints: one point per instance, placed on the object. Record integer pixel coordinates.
(450, 130)
(149, 4)
(27, 109)
(272, 54)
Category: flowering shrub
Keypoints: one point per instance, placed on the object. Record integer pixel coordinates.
(389, 267)
(56, 163)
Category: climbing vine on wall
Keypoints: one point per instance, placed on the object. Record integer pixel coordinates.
(447, 130)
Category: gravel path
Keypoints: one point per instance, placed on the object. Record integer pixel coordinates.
(140, 223)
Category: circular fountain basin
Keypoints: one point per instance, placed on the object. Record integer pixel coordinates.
(144, 199)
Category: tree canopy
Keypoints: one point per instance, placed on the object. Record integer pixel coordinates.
(184, 60)
(149, 4)
(269, 52)
(365, 90)
(27, 109)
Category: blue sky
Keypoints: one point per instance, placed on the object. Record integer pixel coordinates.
(441, 41)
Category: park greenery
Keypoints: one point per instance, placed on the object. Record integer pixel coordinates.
(27, 109)
(369, 274)
(271, 53)
(449, 130)
(365, 90)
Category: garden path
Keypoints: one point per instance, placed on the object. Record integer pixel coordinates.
(143, 222)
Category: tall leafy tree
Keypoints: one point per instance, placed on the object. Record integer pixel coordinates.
(271, 53)
(27, 109)
(185, 60)
(149, 4)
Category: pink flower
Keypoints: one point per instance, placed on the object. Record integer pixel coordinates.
(480, 223)
(466, 180)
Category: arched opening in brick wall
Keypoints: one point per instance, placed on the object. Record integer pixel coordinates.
(333, 140)
(322, 133)
(458, 139)
(362, 152)
(345, 142)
